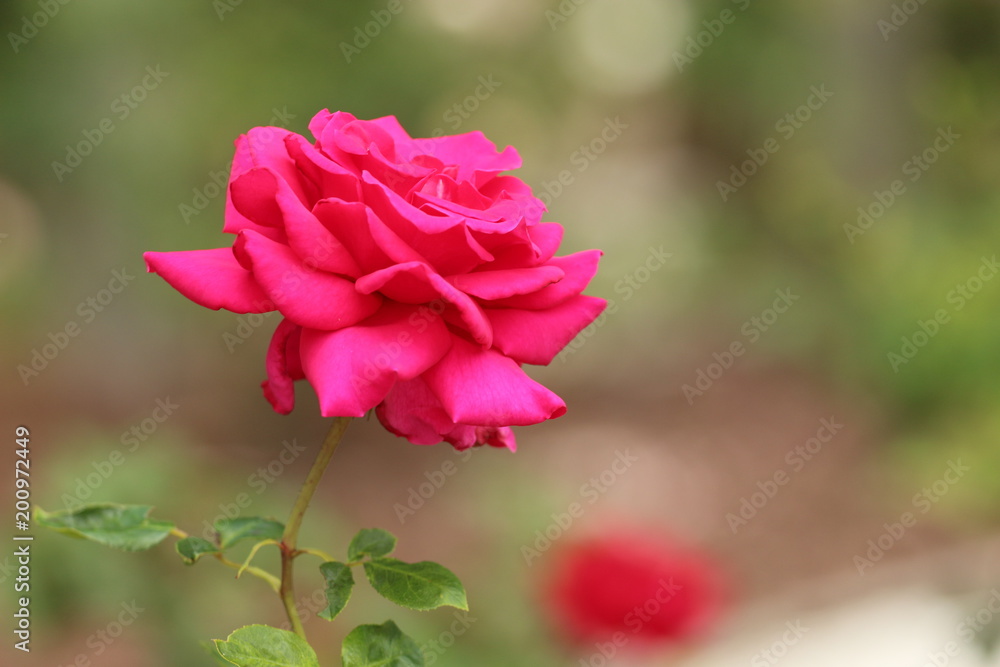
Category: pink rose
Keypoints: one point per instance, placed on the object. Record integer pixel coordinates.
(413, 278)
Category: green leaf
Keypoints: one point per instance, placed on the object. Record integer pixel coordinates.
(125, 527)
(264, 646)
(339, 584)
(193, 548)
(232, 531)
(373, 542)
(424, 585)
(214, 652)
(380, 646)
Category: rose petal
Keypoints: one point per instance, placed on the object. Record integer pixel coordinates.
(537, 336)
(331, 178)
(283, 367)
(463, 437)
(320, 121)
(261, 159)
(415, 282)
(452, 196)
(315, 245)
(489, 285)
(353, 369)
(497, 437)
(252, 194)
(579, 268)
(412, 411)
(400, 137)
(307, 297)
(235, 222)
(445, 242)
(361, 136)
(486, 388)
(211, 278)
(537, 246)
(470, 153)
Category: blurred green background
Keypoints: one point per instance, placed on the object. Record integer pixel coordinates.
(689, 97)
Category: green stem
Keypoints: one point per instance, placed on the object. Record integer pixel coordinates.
(316, 552)
(290, 537)
(271, 580)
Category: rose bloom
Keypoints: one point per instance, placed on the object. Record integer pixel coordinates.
(411, 275)
(632, 590)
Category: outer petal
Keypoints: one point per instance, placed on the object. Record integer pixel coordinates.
(283, 367)
(262, 159)
(412, 411)
(489, 285)
(486, 388)
(497, 437)
(236, 222)
(398, 133)
(353, 369)
(319, 122)
(307, 297)
(541, 244)
(415, 282)
(210, 278)
(252, 195)
(463, 437)
(537, 336)
(546, 238)
(471, 152)
(579, 267)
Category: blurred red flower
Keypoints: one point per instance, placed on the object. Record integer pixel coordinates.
(633, 589)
